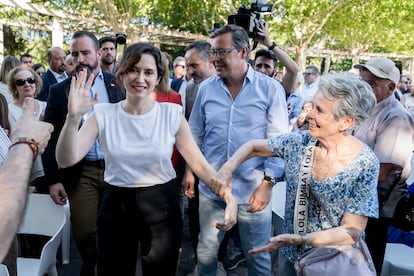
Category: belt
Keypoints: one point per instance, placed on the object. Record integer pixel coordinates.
(95, 163)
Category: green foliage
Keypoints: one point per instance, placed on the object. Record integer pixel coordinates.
(21, 40)
(352, 26)
(375, 26)
(196, 16)
(25, 33)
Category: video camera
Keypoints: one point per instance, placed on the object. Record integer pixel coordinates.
(120, 38)
(245, 19)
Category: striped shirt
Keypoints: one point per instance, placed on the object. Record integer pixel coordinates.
(4, 145)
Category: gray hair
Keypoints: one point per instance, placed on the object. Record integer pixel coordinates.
(314, 69)
(203, 49)
(354, 96)
(177, 60)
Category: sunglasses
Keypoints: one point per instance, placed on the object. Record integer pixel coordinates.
(21, 82)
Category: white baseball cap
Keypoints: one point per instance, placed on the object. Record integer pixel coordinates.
(382, 68)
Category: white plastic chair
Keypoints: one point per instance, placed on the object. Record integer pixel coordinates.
(66, 236)
(42, 217)
(3, 270)
(279, 199)
(398, 260)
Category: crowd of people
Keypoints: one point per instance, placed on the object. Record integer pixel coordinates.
(126, 141)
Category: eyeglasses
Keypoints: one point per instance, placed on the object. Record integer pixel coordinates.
(221, 53)
(21, 82)
(307, 73)
(182, 66)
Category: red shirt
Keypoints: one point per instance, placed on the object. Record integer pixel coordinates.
(170, 97)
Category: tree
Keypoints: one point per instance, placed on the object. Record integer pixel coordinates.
(354, 26)
(347, 26)
(302, 23)
(371, 28)
(22, 35)
(101, 16)
(193, 15)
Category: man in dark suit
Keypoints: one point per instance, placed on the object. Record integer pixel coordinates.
(56, 72)
(83, 184)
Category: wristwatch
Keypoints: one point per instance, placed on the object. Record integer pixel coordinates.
(271, 180)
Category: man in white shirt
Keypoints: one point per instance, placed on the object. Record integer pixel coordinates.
(311, 76)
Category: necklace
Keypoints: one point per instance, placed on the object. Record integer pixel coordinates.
(330, 166)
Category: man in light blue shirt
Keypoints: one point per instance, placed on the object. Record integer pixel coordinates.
(236, 106)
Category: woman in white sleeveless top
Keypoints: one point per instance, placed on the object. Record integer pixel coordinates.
(140, 205)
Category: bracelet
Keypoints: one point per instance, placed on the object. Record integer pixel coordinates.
(34, 146)
(272, 46)
(304, 240)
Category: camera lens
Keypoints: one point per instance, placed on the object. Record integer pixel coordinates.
(120, 38)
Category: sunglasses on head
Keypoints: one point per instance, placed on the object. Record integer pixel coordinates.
(21, 82)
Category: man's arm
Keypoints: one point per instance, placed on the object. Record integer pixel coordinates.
(277, 123)
(196, 124)
(15, 172)
(53, 114)
(292, 68)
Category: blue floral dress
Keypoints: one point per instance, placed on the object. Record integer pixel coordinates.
(353, 190)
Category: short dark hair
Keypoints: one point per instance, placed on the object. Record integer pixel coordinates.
(132, 56)
(203, 49)
(24, 56)
(79, 34)
(239, 35)
(104, 39)
(37, 66)
(267, 54)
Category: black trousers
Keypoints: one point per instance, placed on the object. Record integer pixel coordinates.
(149, 217)
(193, 218)
(376, 238)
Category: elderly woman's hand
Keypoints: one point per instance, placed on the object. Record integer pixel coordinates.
(79, 102)
(230, 213)
(277, 242)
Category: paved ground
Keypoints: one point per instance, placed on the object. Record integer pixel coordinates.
(185, 267)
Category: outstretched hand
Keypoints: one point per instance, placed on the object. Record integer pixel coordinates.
(230, 213)
(79, 102)
(275, 243)
(221, 185)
